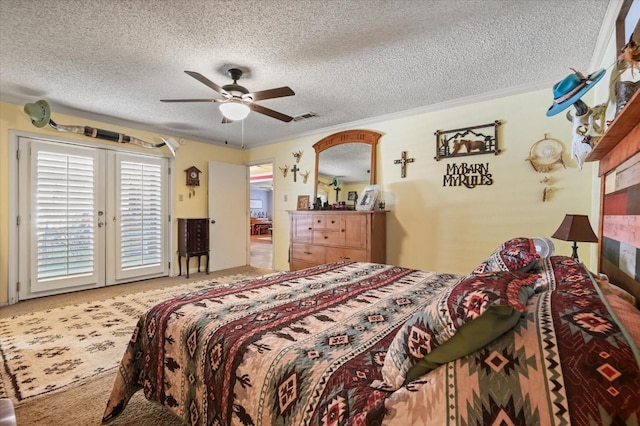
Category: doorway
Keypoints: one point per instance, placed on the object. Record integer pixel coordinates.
(261, 215)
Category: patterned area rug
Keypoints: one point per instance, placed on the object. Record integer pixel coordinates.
(46, 351)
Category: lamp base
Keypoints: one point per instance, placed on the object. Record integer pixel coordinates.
(575, 252)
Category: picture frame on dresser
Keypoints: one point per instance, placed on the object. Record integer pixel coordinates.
(368, 200)
(303, 202)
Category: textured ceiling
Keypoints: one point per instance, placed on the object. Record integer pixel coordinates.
(348, 61)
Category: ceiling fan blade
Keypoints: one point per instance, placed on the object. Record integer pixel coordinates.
(204, 80)
(190, 100)
(269, 112)
(280, 92)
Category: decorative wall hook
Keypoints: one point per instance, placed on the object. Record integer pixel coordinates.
(297, 156)
(284, 170)
(305, 176)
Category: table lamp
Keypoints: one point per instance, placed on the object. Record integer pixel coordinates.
(575, 227)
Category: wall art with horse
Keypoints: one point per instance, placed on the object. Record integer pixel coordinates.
(467, 141)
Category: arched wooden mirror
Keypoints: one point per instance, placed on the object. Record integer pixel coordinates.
(345, 164)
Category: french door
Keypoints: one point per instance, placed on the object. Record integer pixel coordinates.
(89, 217)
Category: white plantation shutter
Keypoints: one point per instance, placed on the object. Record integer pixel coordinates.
(89, 217)
(64, 216)
(141, 212)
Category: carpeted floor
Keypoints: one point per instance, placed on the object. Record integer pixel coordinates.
(84, 404)
(60, 353)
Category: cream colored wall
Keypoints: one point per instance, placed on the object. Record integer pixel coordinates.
(452, 229)
(190, 154)
(432, 227)
(198, 154)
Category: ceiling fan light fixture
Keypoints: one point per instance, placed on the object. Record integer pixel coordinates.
(234, 110)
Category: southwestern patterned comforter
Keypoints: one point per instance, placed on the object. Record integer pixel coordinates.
(309, 348)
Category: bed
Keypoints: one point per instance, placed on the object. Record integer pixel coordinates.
(522, 339)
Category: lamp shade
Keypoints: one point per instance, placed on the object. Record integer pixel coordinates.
(234, 110)
(575, 227)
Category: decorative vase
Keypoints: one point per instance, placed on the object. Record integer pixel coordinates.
(624, 92)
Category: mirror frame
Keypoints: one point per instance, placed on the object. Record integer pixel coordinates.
(348, 136)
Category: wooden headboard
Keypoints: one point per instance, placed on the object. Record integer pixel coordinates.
(619, 227)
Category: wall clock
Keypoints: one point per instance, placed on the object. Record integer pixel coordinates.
(193, 176)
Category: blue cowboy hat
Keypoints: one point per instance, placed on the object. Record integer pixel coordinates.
(567, 91)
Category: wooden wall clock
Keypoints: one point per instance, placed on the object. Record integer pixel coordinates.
(193, 176)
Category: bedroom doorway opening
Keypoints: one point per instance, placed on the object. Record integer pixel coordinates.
(261, 215)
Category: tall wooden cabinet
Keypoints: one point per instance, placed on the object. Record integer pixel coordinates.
(327, 236)
(193, 240)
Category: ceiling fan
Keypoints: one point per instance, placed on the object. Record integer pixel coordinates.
(236, 100)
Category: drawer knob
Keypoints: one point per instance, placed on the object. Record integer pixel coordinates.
(325, 237)
(307, 252)
(345, 258)
(310, 228)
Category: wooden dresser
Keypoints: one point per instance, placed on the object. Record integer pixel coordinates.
(193, 240)
(325, 236)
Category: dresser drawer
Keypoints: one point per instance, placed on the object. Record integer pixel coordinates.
(318, 221)
(296, 264)
(328, 238)
(332, 222)
(308, 253)
(340, 254)
(325, 221)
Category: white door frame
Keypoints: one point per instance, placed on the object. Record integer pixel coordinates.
(271, 161)
(13, 208)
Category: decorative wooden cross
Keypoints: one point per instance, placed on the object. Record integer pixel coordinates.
(403, 163)
(295, 169)
(338, 189)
